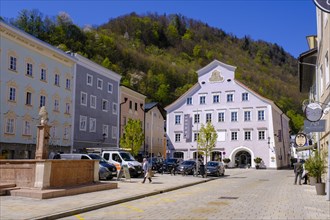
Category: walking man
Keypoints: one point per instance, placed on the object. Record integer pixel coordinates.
(146, 169)
(298, 170)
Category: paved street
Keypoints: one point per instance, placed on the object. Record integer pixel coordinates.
(250, 194)
(241, 194)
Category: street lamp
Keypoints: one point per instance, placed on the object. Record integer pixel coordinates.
(125, 100)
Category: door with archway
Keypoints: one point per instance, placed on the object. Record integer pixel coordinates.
(242, 159)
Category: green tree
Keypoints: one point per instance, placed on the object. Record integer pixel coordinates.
(133, 136)
(206, 139)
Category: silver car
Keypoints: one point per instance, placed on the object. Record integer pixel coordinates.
(215, 168)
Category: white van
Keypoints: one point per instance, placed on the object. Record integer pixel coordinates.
(120, 158)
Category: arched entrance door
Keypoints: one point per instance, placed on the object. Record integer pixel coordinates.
(242, 159)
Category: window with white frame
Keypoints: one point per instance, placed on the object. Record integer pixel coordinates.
(83, 98)
(105, 130)
(12, 94)
(261, 135)
(10, 125)
(233, 116)
(66, 133)
(177, 137)
(82, 123)
(261, 115)
(208, 117)
(89, 80)
(114, 132)
(29, 69)
(202, 100)
(28, 100)
(42, 101)
(12, 63)
(247, 135)
(68, 84)
(216, 98)
(114, 108)
(196, 118)
(234, 135)
(99, 83)
(110, 87)
(57, 80)
(92, 100)
(196, 135)
(177, 119)
(247, 115)
(221, 117)
(56, 105)
(92, 124)
(105, 105)
(245, 96)
(43, 74)
(27, 128)
(230, 97)
(67, 108)
(189, 101)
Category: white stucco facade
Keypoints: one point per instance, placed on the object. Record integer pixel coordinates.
(247, 124)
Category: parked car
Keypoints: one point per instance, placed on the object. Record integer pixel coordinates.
(106, 170)
(169, 165)
(215, 168)
(157, 163)
(187, 167)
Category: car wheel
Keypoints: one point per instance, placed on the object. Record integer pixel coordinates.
(218, 173)
(109, 177)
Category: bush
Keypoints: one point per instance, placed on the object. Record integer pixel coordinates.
(257, 160)
(226, 160)
(315, 166)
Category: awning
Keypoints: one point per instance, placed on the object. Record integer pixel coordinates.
(306, 69)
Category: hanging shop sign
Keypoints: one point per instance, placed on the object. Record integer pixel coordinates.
(313, 111)
(318, 126)
(324, 5)
(300, 139)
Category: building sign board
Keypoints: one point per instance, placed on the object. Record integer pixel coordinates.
(324, 5)
(318, 126)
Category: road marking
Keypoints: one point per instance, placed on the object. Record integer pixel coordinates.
(132, 208)
(79, 217)
(168, 200)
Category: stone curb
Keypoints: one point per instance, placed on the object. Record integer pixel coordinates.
(116, 202)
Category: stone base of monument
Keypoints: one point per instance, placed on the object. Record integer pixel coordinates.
(44, 179)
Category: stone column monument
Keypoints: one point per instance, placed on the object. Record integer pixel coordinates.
(42, 135)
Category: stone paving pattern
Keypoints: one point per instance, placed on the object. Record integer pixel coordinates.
(266, 194)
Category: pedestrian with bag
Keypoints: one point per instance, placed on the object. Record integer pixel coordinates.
(146, 170)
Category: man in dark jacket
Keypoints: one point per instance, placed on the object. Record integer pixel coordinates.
(298, 170)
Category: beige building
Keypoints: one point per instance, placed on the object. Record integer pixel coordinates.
(314, 72)
(131, 107)
(155, 136)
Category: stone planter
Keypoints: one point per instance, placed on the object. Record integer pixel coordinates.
(320, 188)
(312, 181)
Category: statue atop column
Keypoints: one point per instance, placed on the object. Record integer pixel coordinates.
(42, 135)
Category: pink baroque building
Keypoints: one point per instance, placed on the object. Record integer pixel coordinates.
(248, 125)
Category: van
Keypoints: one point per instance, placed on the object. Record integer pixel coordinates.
(106, 170)
(122, 157)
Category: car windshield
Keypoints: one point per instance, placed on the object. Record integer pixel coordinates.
(188, 162)
(126, 156)
(97, 157)
(212, 164)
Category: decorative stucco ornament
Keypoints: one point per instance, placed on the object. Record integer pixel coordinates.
(216, 76)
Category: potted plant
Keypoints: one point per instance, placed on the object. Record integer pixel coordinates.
(315, 166)
(257, 160)
(226, 161)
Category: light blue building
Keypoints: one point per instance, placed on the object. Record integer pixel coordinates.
(33, 74)
(247, 124)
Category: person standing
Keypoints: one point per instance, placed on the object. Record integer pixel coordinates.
(298, 170)
(146, 169)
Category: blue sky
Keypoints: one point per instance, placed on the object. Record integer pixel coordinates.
(285, 22)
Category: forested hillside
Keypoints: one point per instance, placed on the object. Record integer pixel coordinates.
(158, 55)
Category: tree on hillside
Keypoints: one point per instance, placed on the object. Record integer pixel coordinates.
(206, 139)
(133, 136)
